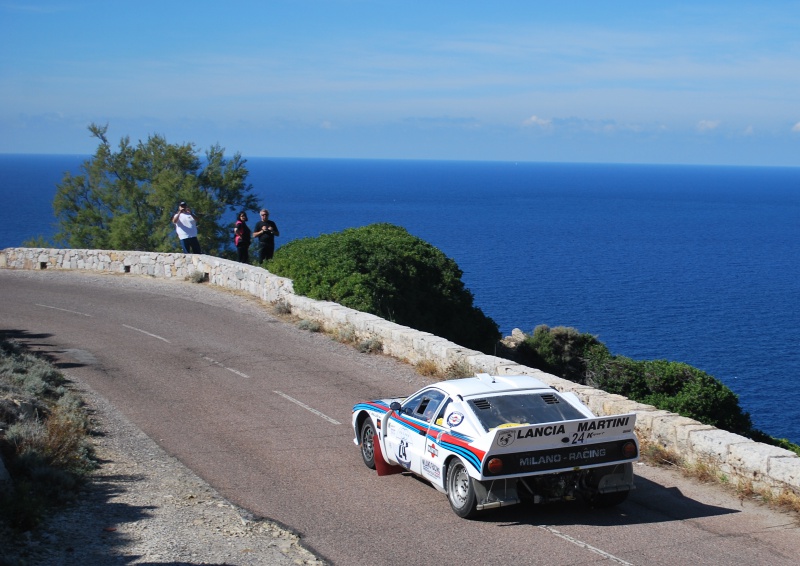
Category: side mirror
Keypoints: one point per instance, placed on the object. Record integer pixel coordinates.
(393, 408)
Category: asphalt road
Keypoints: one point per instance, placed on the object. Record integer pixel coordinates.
(261, 411)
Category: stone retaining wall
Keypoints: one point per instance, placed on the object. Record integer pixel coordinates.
(740, 460)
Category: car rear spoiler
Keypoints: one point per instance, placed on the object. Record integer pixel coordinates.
(513, 438)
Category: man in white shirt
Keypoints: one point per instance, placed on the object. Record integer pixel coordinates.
(186, 225)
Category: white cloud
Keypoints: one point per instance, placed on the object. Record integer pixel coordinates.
(326, 125)
(796, 128)
(707, 125)
(535, 121)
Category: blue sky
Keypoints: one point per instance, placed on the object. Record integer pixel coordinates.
(706, 82)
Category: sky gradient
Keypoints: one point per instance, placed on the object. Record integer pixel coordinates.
(704, 82)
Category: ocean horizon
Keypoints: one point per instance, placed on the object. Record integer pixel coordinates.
(696, 264)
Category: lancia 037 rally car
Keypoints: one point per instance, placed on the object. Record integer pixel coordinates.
(490, 441)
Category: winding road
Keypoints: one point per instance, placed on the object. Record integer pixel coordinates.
(261, 410)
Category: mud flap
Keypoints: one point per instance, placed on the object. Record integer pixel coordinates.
(498, 494)
(615, 482)
(381, 466)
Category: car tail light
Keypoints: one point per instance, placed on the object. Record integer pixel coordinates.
(629, 450)
(495, 466)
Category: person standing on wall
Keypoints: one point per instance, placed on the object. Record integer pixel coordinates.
(243, 238)
(265, 231)
(185, 223)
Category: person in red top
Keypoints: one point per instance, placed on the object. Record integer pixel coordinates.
(242, 238)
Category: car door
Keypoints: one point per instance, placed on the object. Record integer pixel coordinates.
(408, 428)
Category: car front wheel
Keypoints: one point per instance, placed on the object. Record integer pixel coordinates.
(368, 443)
(460, 490)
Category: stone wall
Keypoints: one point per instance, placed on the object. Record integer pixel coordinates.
(741, 460)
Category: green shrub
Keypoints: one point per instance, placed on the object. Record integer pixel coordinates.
(617, 374)
(370, 346)
(560, 350)
(196, 277)
(706, 399)
(384, 270)
(672, 386)
(310, 325)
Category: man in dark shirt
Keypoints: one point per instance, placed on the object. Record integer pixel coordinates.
(265, 230)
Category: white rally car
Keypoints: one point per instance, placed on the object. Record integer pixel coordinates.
(490, 441)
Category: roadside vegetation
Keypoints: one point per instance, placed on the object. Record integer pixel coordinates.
(709, 472)
(44, 438)
(383, 270)
(672, 386)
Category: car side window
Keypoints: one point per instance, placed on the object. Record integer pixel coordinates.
(442, 412)
(424, 405)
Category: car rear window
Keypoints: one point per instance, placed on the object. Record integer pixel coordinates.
(525, 408)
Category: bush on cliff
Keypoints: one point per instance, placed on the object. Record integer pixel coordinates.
(384, 270)
(672, 386)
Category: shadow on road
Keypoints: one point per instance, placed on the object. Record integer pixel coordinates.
(36, 343)
(648, 503)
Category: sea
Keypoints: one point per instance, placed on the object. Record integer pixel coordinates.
(695, 264)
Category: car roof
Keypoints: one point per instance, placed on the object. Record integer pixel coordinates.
(485, 384)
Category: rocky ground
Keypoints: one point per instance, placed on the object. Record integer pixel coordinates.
(145, 507)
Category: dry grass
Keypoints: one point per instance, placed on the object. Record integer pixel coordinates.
(428, 368)
(787, 500)
(47, 449)
(370, 346)
(659, 456)
(281, 308)
(458, 369)
(197, 277)
(345, 334)
(455, 370)
(310, 325)
(707, 472)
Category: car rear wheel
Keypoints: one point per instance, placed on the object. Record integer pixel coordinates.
(368, 443)
(460, 490)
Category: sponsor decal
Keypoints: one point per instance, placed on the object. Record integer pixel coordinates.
(433, 450)
(587, 454)
(430, 469)
(455, 418)
(603, 424)
(572, 457)
(539, 460)
(536, 432)
(400, 432)
(402, 455)
(506, 439)
(575, 457)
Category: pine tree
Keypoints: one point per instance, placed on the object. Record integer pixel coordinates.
(125, 199)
